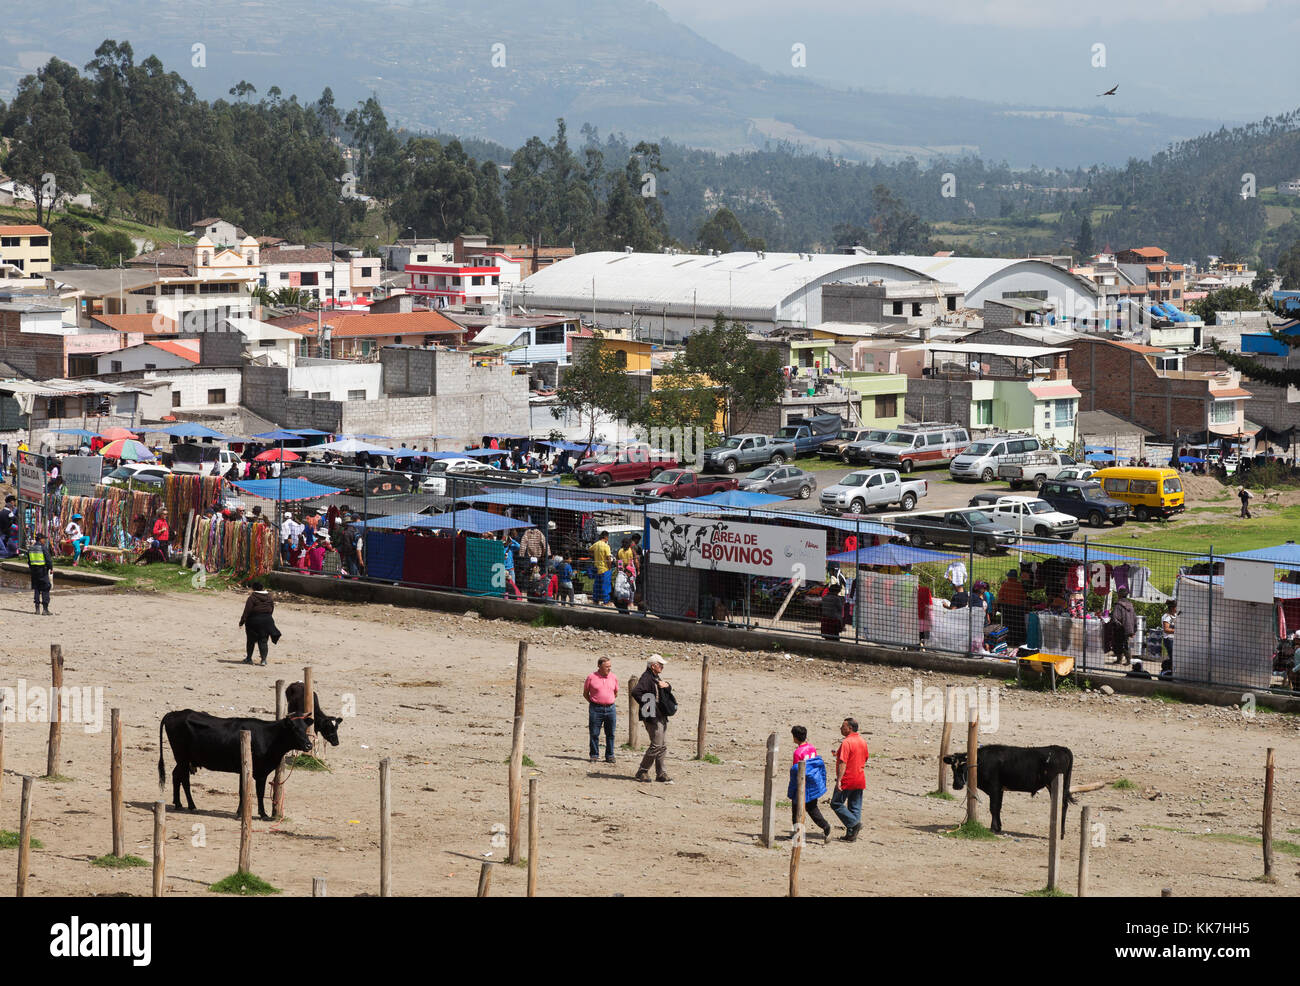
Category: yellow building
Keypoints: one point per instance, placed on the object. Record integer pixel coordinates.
(26, 247)
(636, 355)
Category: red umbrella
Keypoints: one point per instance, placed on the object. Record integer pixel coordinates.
(113, 434)
(277, 455)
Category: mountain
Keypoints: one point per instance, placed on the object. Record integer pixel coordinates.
(621, 65)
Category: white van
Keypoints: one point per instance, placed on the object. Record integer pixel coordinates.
(980, 460)
(202, 460)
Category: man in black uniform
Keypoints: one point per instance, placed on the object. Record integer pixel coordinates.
(40, 563)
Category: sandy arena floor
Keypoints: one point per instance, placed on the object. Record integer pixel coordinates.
(435, 694)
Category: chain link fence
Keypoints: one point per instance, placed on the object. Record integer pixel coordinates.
(1096, 607)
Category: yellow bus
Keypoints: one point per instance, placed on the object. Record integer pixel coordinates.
(1148, 492)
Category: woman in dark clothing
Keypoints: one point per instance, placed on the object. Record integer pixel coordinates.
(258, 622)
(832, 612)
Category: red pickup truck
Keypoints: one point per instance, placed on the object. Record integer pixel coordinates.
(632, 465)
(682, 484)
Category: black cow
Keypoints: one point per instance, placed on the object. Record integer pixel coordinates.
(200, 740)
(1015, 768)
(327, 726)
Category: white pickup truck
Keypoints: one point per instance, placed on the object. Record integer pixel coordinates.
(1028, 515)
(1033, 468)
(868, 489)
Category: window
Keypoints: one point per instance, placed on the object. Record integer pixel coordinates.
(898, 308)
(151, 366)
(39, 241)
(176, 398)
(952, 302)
(887, 406)
(916, 309)
(56, 407)
(217, 396)
(477, 280)
(116, 366)
(1115, 485)
(934, 439)
(1223, 412)
(421, 258)
(875, 480)
(620, 358)
(1064, 412)
(1143, 486)
(357, 395)
(982, 414)
(553, 335)
(320, 395)
(367, 272)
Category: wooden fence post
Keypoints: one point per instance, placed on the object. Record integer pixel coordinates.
(245, 801)
(797, 838)
(24, 836)
(517, 750)
(115, 781)
(484, 880)
(159, 846)
(2, 745)
(318, 886)
(704, 709)
(946, 739)
(385, 830)
(56, 675)
(534, 836)
(1085, 844)
(769, 793)
(308, 700)
(1053, 843)
(972, 765)
(277, 785)
(1268, 813)
(632, 711)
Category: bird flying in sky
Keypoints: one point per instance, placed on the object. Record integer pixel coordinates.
(1110, 91)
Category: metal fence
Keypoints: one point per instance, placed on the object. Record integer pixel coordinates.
(1089, 600)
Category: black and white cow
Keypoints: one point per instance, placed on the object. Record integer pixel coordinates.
(327, 726)
(200, 740)
(678, 540)
(1015, 768)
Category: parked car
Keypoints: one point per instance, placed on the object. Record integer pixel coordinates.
(203, 460)
(747, 450)
(972, 529)
(1076, 472)
(809, 434)
(435, 479)
(867, 489)
(634, 464)
(1034, 468)
(682, 484)
(1085, 500)
(981, 460)
(837, 448)
(781, 480)
(926, 444)
(860, 450)
(1029, 515)
(137, 474)
(1149, 492)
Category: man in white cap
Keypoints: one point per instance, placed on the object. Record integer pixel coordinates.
(655, 700)
(79, 540)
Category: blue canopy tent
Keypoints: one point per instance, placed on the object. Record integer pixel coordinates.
(79, 432)
(284, 489)
(397, 522)
(192, 430)
(1281, 590)
(1099, 457)
(890, 554)
(279, 435)
(1281, 555)
(351, 446)
(485, 453)
(308, 432)
(474, 521)
(1071, 552)
(1190, 458)
(739, 498)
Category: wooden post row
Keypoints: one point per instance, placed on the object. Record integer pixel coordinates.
(56, 676)
(245, 801)
(769, 792)
(517, 752)
(796, 838)
(115, 781)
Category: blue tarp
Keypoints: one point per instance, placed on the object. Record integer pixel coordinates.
(398, 522)
(385, 555)
(473, 522)
(305, 432)
(1099, 457)
(481, 560)
(1281, 590)
(80, 432)
(369, 438)
(1189, 458)
(485, 452)
(284, 489)
(194, 431)
(890, 554)
(1099, 448)
(278, 436)
(1072, 552)
(739, 498)
(1281, 555)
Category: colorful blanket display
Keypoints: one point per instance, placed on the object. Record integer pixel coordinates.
(183, 493)
(246, 548)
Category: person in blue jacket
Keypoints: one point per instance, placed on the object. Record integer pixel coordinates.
(814, 781)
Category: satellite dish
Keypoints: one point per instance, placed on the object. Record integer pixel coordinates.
(975, 365)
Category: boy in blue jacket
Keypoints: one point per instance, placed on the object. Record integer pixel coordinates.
(814, 781)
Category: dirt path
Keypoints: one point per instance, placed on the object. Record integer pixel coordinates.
(435, 693)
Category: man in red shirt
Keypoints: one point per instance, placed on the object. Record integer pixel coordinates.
(601, 692)
(161, 533)
(850, 779)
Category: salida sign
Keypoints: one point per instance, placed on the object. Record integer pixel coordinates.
(727, 546)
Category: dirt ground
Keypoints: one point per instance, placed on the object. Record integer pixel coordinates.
(434, 693)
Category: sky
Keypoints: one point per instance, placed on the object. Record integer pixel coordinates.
(1228, 59)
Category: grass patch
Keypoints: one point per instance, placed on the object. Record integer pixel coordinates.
(56, 778)
(9, 840)
(1167, 699)
(1047, 892)
(755, 803)
(156, 577)
(305, 761)
(971, 830)
(1283, 846)
(546, 618)
(528, 761)
(710, 758)
(111, 862)
(941, 795)
(1124, 784)
(244, 885)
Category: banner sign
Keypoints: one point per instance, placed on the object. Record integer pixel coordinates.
(31, 479)
(728, 546)
(81, 472)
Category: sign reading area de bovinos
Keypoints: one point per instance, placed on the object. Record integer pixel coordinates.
(728, 546)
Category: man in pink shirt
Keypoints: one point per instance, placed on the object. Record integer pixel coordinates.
(601, 692)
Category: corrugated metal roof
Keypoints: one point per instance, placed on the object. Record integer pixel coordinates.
(977, 349)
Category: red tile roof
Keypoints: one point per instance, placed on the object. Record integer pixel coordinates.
(24, 231)
(1231, 392)
(146, 324)
(1147, 252)
(351, 325)
(176, 349)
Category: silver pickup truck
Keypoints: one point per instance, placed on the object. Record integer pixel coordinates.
(868, 489)
(747, 450)
(1033, 468)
